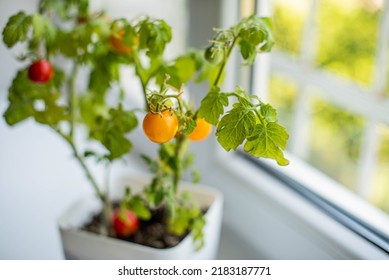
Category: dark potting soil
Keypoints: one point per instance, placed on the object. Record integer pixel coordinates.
(152, 233)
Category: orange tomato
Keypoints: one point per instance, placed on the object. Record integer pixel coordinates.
(202, 130)
(160, 128)
(117, 43)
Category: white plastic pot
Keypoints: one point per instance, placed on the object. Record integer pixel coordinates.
(79, 244)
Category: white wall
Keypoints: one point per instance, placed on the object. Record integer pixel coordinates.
(38, 177)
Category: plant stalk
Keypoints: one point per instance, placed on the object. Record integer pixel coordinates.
(139, 69)
(72, 100)
(103, 197)
(72, 103)
(224, 63)
(178, 157)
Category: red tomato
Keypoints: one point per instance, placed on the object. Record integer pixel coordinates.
(124, 222)
(40, 71)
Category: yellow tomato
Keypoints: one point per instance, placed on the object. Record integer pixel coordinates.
(160, 128)
(202, 130)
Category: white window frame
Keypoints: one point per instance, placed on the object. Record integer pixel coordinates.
(366, 102)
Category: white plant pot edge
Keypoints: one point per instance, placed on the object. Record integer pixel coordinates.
(78, 244)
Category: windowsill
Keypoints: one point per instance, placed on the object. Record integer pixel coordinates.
(233, 247)
(304, 217)
(333, 191)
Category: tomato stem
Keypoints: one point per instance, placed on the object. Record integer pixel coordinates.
(224, 63)
(260, 117)
(141, 74)
(178, 154)
(103, 197)
(72, 99)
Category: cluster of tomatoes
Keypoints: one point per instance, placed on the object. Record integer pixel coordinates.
(162, 127)
(158, 127)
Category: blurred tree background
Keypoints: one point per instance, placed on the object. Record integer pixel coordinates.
(346, 46)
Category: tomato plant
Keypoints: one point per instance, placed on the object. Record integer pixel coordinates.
(202, 130)
(160, 127)
(124, 222)
(40, 71)
(93, 43)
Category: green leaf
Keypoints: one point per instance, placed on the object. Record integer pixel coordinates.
(246, 49)
(235, 127)
(166, 150)
(180, 222)
(24, 95)
(197, 231)
(155, 192)
(174, 80)
(269, 113)
(268, 141)
(66, 9)
(17, 112)
(255, 36)
(212, 106)
(116, 144)
(83, 43)
(43, 29)
(139, 207)
(16, 29)
(39, 26)
(153, 165)
(181, 71)
(102, 75)
(186, 68)
(92, 110)
(111, 130)
(52, 113)
(154, 35)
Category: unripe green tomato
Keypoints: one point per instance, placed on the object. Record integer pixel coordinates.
(214, 54)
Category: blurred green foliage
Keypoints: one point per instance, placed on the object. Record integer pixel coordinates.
(347, 40)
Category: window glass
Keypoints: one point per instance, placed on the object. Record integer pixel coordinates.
(333, 138)
(380, 185)
(335, 142)
(289, 17)
(283, 97)
(347, 38)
